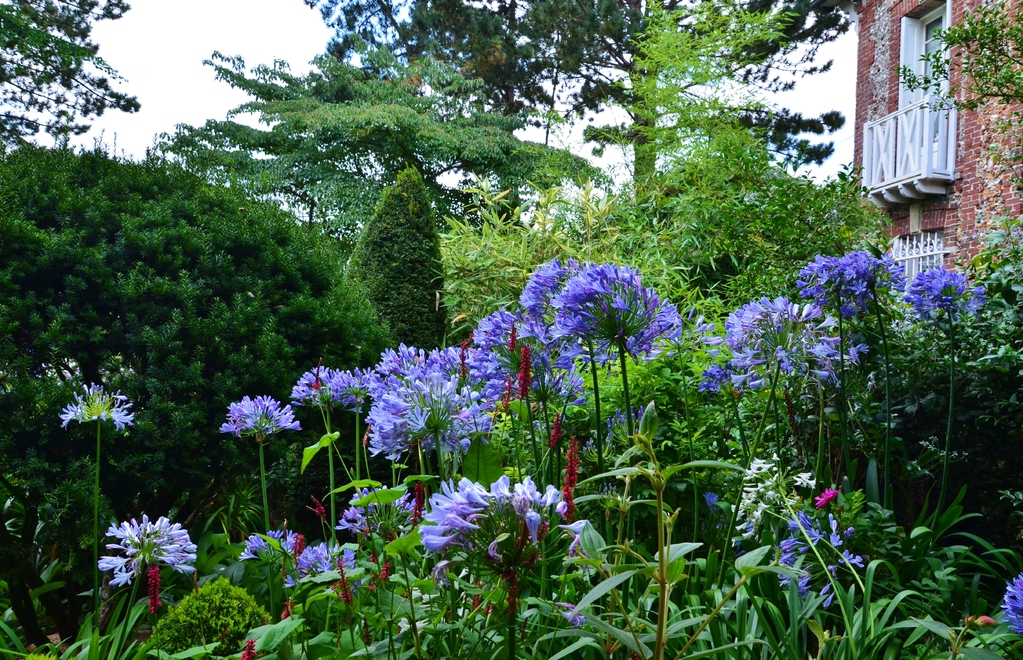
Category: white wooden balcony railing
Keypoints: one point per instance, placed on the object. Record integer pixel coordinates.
(910, 154)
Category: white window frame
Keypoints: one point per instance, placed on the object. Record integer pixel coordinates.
(913, 45)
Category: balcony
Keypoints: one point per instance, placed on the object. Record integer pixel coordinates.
(909, 155)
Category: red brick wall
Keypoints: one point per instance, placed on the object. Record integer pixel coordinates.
(981, 191)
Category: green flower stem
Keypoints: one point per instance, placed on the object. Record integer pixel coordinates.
(749, 460)
(629, 424)
(710, 617)
(532, 434)
(951, 412)
(358, 454)
(887, 398)
(330, 466)
(598, 435)
(95, 528)
(843, 402)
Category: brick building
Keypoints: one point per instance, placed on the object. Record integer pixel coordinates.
(929, 166)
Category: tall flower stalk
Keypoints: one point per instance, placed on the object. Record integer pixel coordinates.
(942, 297)
(260, 417)
(96, 405)
(850, 285)
(606, 309)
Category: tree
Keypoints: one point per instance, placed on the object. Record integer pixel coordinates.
(985, 49)
(184, 296)
(579, 56)
(398, 261)
(50, 74)
(338, 135)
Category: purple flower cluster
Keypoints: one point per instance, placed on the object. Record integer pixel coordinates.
(544, 285)
(261, 416)
(380, 519)
(1013, 604)
(767, 333)
(304, 561)
(803, 529)
(326, 387)
(472, 517)
(147, 544)
(937, 293)
(849, 282)
(431, 408)
(96, 405)
(608, 305)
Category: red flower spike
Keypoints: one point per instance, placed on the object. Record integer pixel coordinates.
(154, 589)
(250, 650)
(525, 372)
(571, 478)
(320, 512)
(556, 433)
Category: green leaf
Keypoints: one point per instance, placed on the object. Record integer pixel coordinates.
(977, 653)
(620, 472)
(701, 464)
(309, 452)
(385, 496)
(359, 485)
(648, 422)
(418, 478)
(567, 652)
(482, 463)
(269, 637)
(751, 559)
(935, 627)
(194, 652)
(404, 544)
(604, 587)
(592, 542)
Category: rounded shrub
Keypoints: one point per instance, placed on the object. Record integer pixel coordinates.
(218, 612)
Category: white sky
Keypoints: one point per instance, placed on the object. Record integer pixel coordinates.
(159, 46)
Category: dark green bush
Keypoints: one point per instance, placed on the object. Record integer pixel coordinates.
(183, 295)
(218, 612)
(398, 260)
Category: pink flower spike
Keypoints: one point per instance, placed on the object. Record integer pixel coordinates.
(826, 497)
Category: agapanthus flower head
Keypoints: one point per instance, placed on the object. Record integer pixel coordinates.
(1013, 604)
(606, 305)
(435, 409)
(796, 339)
(502, 526)
(937, 293)
(849, 282)
(146, 544)
(544, 284)
(383, 519)
(324, 387)
(94, 404)
(716, 378)
(261, 416)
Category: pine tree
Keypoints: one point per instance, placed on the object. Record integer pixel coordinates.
(398, 261)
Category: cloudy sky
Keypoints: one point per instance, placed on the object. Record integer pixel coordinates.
(159, 46)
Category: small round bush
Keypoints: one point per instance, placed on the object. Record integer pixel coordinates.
(218, 612)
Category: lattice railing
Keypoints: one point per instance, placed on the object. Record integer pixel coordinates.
(919, 252)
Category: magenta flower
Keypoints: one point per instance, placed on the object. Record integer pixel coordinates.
(826, 497)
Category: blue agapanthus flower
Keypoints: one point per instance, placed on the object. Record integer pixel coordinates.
(503, 520)
(937, 293)
(432, 409)
(97, 405)
(849, 282)
(544, 285)
(608, 306)
(261, 416)
(146, 544)
(804, 532)
(1013, 604)
(796, 339)
(326, 388)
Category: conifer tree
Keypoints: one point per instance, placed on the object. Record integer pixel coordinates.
(398, 260)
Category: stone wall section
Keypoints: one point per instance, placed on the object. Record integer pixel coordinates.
(982, 190)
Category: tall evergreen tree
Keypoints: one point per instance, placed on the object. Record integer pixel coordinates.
(398, 261)
(549, 55)
(50, 74)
